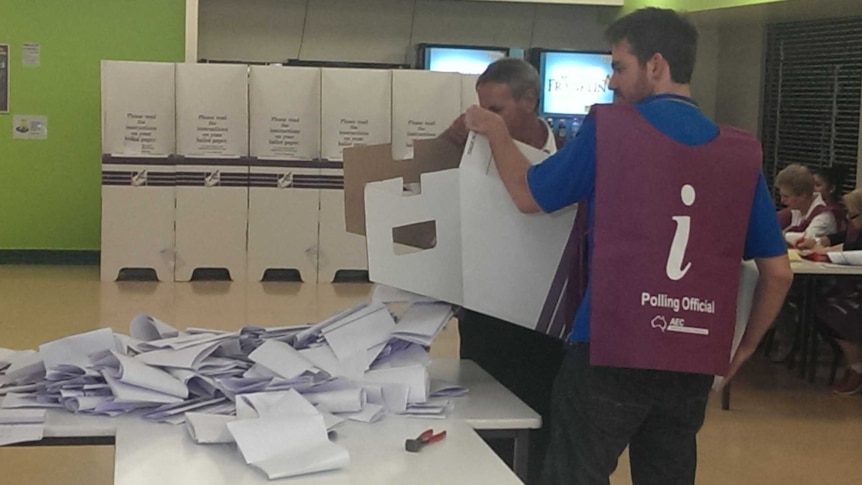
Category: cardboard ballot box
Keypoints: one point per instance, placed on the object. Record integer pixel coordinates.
(484, 254)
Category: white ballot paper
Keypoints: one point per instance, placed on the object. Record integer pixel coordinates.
(288, 446)
(20, 425)
(75, 351)
(209, 428)
(853, 258)
(147, 328)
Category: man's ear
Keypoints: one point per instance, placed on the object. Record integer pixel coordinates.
(657, 66)
(531, 98)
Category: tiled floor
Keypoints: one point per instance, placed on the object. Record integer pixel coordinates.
(781, 430)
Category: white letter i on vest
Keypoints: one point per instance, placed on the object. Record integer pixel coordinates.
(674, 268)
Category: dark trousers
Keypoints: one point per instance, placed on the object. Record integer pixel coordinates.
(524, 361)
(598, 411)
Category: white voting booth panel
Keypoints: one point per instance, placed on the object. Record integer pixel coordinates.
(468, 91)
(212, 180)
(424, 103)
(481, 239)
(283, 205)
(137, 173)
(338, 249)
(284, 112)
(284, 195)
(355, 109)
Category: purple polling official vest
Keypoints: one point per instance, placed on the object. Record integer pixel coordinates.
(669, 235)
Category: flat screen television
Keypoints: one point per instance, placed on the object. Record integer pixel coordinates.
(572, 81)
(458, 58)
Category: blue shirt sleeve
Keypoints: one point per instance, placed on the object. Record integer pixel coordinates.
(569, 175)
(764, 238)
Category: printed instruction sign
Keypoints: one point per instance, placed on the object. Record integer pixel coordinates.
(29, 127)
(31, 54)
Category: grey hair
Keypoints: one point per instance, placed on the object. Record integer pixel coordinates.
(518, 74)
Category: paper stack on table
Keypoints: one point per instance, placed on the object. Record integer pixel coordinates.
(275, 391)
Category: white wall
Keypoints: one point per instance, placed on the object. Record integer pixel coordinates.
(384, 30)
(740, 75)
(704, 80)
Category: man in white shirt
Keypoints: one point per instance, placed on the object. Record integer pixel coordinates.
(523, 360)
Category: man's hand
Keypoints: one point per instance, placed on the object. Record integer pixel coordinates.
(457, 131)
(773, 281)
(485, 122)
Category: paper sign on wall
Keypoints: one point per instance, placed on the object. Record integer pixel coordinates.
(28, 127)
(31, 54)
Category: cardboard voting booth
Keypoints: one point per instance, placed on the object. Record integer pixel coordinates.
(484, 255)
(355, 111)
(284, 178)
(468, 91)
(138, 180)
(212, 178)
(424, 103)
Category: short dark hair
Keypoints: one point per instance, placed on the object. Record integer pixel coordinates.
(657, 30)
(518, 74)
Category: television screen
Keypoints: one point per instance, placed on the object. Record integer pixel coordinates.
(461, 59)
(574, 81)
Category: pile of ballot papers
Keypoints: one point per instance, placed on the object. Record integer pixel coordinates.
(248, 386)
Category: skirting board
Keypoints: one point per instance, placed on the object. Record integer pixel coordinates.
(50, 256)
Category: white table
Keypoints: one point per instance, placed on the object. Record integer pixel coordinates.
(489, 408)
(810, 273)
(148, 453)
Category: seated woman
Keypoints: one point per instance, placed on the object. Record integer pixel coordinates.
(810, 216)
(839, 307)
(828, 182)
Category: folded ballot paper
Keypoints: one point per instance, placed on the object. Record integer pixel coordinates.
(276, 392)
(852, 258)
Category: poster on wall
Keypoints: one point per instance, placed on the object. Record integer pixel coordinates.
(4, 78)
(29, 127)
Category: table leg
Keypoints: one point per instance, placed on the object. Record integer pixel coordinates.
(725, 397)
(522, 451)
(805, 322)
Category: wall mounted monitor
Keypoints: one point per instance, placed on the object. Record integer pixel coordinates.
(572, 81)
(458, 58)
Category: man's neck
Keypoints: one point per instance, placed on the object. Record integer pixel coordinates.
(674, 88)
(534, 134)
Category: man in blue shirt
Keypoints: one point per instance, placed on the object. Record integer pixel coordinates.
(597, 411)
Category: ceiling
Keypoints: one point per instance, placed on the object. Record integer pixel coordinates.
(766, 13)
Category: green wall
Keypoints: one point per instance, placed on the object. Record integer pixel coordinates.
(50, 190)
(691, 5)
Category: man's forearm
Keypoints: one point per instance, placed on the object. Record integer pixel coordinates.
(769, 293)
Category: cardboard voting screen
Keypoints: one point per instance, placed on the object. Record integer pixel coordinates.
(284, 112)
(138, 116)
(423, 105)
(212, 110)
